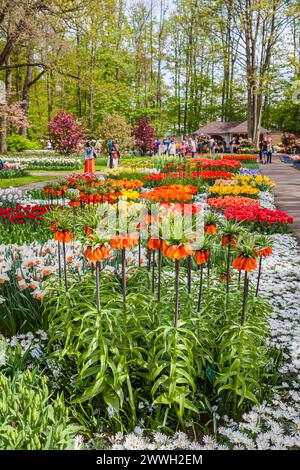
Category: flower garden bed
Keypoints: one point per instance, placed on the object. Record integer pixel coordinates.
(47, 161)
(147, 340)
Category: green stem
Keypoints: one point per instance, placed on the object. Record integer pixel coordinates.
(245, 299)
(153, 271)
(200, 288)
(208, 271)
(240, 348)
(124, 275)
(239, 281)
(159, 275)
(258, 276)
(228, 267)
(148, 260)
(98, 285)
(189, 274)
(59, 260)
(176, 314)
(65, 266)
(140, 249)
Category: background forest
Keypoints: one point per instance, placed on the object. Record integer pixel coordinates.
(182, 63)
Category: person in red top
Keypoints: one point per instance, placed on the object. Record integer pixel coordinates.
(182, 149)
(89, 158)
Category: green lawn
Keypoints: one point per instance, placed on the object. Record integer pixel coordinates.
(101, 163)
(15, 182)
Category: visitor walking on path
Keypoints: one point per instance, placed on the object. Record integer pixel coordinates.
(193, 147)
(172, 148)
(269, 152)
(116, 154)
(89, 158)
(264, 152)
(110, 161)
(182, 149)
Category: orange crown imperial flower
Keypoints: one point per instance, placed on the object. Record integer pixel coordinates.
(119, 242)
(154, 244)
(97, 254)
(227, 239)
(176, 251)
(88, 230)
(210, 229)
(201, 257)
(242, 263)
(53, 227)
(265, 252)
(63, 236)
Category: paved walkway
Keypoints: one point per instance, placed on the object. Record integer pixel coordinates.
(38, 185)
(287, 191)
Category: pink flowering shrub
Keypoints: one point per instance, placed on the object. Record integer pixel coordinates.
(144, 134)
(14, 114)
(66, 133)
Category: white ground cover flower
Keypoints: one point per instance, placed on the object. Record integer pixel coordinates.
(277, 425)
(13, 195)
(32, 264)
(46, 162)
(266, 200)
(269, 426)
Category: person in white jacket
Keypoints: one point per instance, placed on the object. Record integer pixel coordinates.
(172, 148)
(193, 147)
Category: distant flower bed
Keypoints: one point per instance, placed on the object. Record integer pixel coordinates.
(12, 171)
(241, 158)
(229, 202)
(226, 164)
(229, 190)
(260, 218)
(45, 163)
(249, 171)
(12, 166)
(207, 175)
(263, 183)
(22, 214)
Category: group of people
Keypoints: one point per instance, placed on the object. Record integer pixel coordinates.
(189, 145)
(171, 147)
(265, 151)
(114, 154)
(90, 155)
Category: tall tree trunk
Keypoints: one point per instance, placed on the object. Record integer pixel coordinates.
(49, 95)
(79, 93)
(3, 120)
(3, 134)
(91, 88)
(26, 89)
